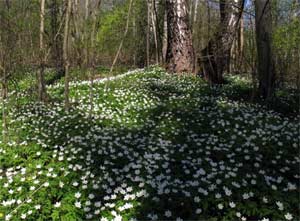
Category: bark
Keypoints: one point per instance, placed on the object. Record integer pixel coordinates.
(237, 49)
(56, 43)
(148, 35)
(165, 37)
(216, 55)
(92, 56)
(4, 100)
(265, 59)
(180, 52)
(41, 82)
(208, 19)
(134, 36)
(66, 53)
(87, 53)
(77, 35)
(153, 20)
(6, 51)
(196, 11)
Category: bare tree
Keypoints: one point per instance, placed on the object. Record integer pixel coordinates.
(6, 60)
(68, 4)
(56, 41)
(153, 20)
(165, 37)
(215, 57)
(180, 52)
(265, 62)
(148, 34)
(40, 75)
(237, 50)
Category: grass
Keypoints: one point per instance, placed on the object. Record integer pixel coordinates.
(152, 146)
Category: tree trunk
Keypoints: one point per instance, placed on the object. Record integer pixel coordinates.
(180, 52)
(215, 57)
(41, 82)
(148, 34)
(65, 54)
(195, 11)
(165, 37)
(208, 19)
(4, 100)
(86, 17)
(93, 55)
(56, 43)
(134, 30)
(265, 65)
(153, 19)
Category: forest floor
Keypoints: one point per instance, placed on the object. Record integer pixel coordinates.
(152, 146)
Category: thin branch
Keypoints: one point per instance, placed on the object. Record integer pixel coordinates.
(122, 41)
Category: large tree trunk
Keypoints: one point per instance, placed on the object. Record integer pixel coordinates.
(266, 67)
(215, 57)
(66, 54)
(180, 52)
(40, 77)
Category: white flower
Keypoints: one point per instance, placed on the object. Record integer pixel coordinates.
(46, 184)
(288, 216)
(78, 204)
(196, 199)
(232, 204)
(97, 204)
(8, 217)
(37, 207)
(91, 196)
(77, 195)
(246, 196)
(23, 216)
(218, 195)
(117, 218)
(168, 213)
(57, 204)
(280, 205)
(198, 211)
(220, 206)
(61, 184)
(265, 219)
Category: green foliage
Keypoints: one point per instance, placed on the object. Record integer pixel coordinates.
(287, 37)
(112, 28)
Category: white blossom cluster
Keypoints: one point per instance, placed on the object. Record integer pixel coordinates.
(156, 147)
